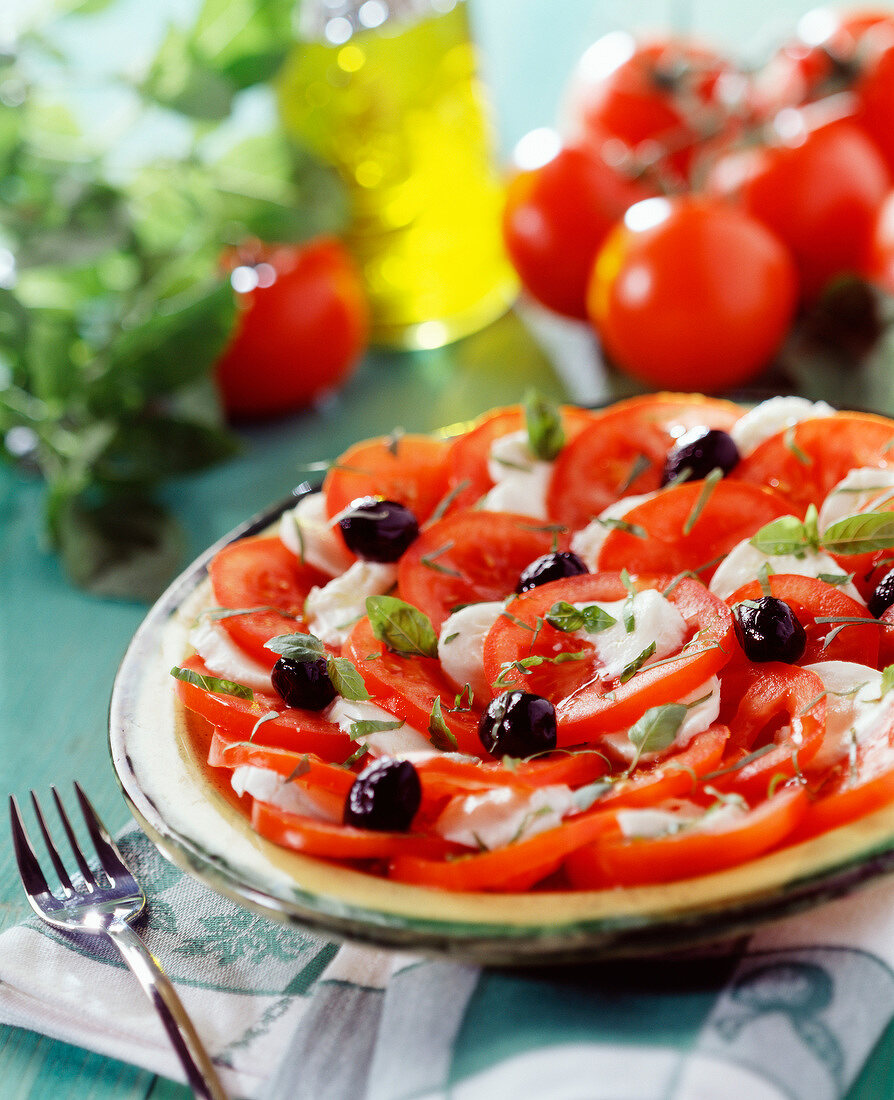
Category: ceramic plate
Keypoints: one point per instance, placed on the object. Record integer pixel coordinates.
(195, 826)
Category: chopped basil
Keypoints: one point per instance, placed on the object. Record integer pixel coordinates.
(640, 465)
(268, 717)
(836, 579)
(656, 730)
(566, 617)
(860, 534)
(637, 663)
(546, 436)
(463, 701)
(707, 489)
(527, 663)
(622, 525)
(438, 731)
(218, 613)
(404, 629)
(428, 560)
(756, 755)
(450, 638)
(301, 768)
(212, 683)
(584, 797)
(366, 727)
(448, 498)
(356, 755)
(792, 444)
(763, 576)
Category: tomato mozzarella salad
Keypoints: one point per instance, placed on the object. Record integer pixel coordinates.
(561, 648)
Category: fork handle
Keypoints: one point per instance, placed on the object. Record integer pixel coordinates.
(200, 1072)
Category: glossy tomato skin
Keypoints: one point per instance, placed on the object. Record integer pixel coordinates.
(691, 293)
(555, 219)
(875, 94)
(299, 333)
(881, 259)
(819, 191)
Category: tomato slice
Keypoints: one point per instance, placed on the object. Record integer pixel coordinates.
(408, 686)
(409, 469)
(448, 775)
(321, 838)
(237, 720)
(617, 861)
(811, 599)
(585, 705)
(780, 705)
(852, 790)
(312, 770)
(471, 557)
(261, 572)
(807, 461)
(689, 527)
(623, 451)
(469, 452)
(516, 867)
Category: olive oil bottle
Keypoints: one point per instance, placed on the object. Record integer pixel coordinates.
(387, 92)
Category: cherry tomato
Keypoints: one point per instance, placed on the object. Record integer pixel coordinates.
(818, 189)
(881, 260)
(650, 104)
(875, 94)
(301, 328)
(555, 219)
(673, 260)
(261, 573)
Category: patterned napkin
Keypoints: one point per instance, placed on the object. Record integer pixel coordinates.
(791, 1013)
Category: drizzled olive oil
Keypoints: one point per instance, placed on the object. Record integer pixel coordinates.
(398, 110)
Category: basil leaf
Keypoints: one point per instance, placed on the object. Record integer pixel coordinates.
(657, 728)
(438, 731)
(887, 681)
(546, 436)
(860, 534)
(297, 647)
(365, 727)
(428, 560)
(217, 613)
(707, 489)
(637, 663)
(401, 627)
(786, 535)
(212, 683)
(622, 525)
(792, 445)
(346, 679)
(568, 618)
(584, 797)
(640, 464)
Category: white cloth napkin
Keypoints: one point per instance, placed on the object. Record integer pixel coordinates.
(792, 1012)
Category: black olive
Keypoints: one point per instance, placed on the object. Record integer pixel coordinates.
(883, 596)
(385, 796)
(550, 567)
(700, 451)
(518, 723)
(304, 684)
(378, 530)
(768, 630)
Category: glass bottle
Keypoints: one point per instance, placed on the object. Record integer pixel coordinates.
(387, 92)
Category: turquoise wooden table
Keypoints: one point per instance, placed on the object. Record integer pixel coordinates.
(59, 648)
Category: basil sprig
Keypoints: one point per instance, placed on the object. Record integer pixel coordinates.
(546, 436)
(860, 534)
(345, 678)
(404, 629)
(566, 617)
(212, 683)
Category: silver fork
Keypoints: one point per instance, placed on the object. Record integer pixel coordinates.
(100, 909)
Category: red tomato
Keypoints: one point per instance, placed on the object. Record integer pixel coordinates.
(875, 93)
(673, 260)
(468, 460)
(658, 100)
(301, 328)
(598, 466)
(689, 527)
(811, 599)
(881, 261)
(555, 219)
(237, 719)
(409, 687)
(409, 469)
(806, 462)
(585, 705)
(471, 557)
(261, 572)
(616, 861)
(819, 190)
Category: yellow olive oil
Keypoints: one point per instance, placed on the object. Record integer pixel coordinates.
(400, 112)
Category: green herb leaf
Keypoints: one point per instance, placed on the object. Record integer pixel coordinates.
(584, 797)
(546, 436)
(792, 444)
(212, 683)
(297, 647)
(428, 560)
(656, 730)
(346, 679)
(365, 727)
(637, 663)
(622, 525)
(438, 731)
(860, 534)
(707, 489)
(640, 465)
(786, 535)
(404, 629)
(763, 576)
(568, 618)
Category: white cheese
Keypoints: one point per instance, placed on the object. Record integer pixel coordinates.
(225, 659)
(867, 488)
(502, 815)
(773, 416)
(461, 646)
(520, 478)
(308, 532)
(852, 716)
(332, 611)
(652, 823)
(587, 542)
(744, 561)
(699, 717)
(270, 787)
(398, 742)
(655, 619)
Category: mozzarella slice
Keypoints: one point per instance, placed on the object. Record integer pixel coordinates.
(587, 542)
(866, 488)
(308, 532)
(269, 786)
(398, 742)
(520, 478)
(855, 709)
(332, 611)
(701, 714)
(461, 646)
(744, 562)
(773, 416)
(225, 659)
(502, 816)
(655, 619)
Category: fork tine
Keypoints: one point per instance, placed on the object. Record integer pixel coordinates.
(110, 858)
(73, 840)
(51, 847)
(29, 868)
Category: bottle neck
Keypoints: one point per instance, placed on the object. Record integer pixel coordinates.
(337, 21)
